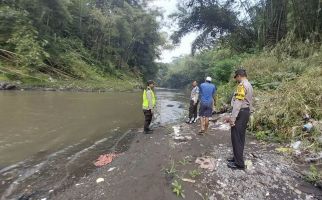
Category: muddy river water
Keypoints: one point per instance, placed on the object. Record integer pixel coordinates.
(43, 131)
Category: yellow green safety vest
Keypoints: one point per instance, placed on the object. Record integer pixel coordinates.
(146, 102)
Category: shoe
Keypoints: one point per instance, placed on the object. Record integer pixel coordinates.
(201, 132)
(148, 131)
(195, 120)
(188, 121)
(191, 121)
(233, 166)
(231, 160)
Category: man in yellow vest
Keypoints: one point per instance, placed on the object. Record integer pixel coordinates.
(149, 102)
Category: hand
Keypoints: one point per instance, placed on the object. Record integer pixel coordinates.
(151, 110)
(230, 121)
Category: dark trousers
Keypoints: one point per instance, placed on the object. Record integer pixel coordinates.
(193, 110)
(148, 119)
(238, 133)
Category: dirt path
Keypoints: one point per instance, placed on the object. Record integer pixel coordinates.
(153, 162)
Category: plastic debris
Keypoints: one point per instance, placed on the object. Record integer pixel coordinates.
(296, 145)
(188, 180)
(111, 169)
(206, 163)
(249, 164)
(105, 159)
(176, 130)
(308, 127)
(179, 137)
(99, 180)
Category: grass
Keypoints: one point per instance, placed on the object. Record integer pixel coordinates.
(177, 188)
(194, 173)
(313, 175)
(171, 170)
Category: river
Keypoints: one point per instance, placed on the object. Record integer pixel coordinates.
(42, 133)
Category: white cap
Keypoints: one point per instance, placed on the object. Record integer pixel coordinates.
(209, 79)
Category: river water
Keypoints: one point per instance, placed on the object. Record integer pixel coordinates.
(42, 131)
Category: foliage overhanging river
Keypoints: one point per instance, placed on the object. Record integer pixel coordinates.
(42, 131)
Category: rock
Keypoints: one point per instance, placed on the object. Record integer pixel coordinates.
(206, 163)
(7, 86)
(99, 180)
(297, 191)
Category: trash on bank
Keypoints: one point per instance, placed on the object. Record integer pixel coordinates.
(99, 180)
(308, 127)
(179, 137)
(111, 169)
(105, 159)
(206, 163)
(249, 164)
(296, 145)
(188, 180)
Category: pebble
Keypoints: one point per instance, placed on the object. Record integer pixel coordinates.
(297, 191)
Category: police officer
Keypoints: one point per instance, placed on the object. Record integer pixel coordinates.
(242, 104)
(149, 102)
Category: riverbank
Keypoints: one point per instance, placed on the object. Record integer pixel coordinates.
(154, 162)
(12, 78)
(109, 85)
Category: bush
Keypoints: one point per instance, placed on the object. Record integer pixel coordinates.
(298, 93)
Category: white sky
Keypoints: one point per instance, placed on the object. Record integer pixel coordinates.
(184, 48)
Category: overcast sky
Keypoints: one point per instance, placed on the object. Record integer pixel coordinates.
(184, 48)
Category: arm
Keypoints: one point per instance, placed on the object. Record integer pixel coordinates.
(235, 112)
(196, 96)
(149, 97)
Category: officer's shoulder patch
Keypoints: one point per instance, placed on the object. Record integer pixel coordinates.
(241, 92)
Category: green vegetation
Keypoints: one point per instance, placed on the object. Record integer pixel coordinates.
(69, 42)
(178, 189)
(194, 173)
(313, 175)
(171, 170)
(277, 42)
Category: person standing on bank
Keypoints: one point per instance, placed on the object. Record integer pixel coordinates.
(194, 101)
(149, 103)
(207, 102)
(241, 103)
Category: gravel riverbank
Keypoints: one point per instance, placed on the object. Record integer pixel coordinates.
(153, 162)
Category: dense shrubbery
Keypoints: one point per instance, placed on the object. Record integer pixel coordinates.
(79, 39)
(286, 91)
